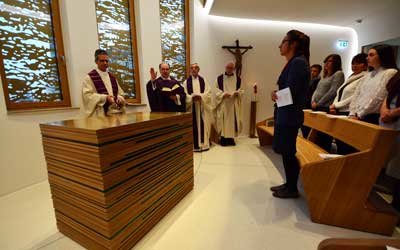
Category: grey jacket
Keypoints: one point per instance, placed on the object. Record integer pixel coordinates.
(326, 89)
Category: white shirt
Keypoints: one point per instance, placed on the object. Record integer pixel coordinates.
(371, 92)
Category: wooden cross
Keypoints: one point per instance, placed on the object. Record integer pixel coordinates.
(238, 53)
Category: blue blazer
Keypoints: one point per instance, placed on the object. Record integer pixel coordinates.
(296, 76)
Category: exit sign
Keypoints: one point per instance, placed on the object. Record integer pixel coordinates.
(342, 44)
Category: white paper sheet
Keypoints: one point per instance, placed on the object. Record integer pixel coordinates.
(328, 156)
(284, 97)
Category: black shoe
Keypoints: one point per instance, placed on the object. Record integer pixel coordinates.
(276, 188)
(286, 193)
(223, 142)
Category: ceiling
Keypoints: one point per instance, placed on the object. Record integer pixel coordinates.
(333, 12)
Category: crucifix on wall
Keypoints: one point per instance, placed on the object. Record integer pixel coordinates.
(238, 53)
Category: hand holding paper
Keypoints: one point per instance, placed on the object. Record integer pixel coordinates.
(284, 97)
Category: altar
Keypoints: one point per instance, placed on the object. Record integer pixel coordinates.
(113, 178)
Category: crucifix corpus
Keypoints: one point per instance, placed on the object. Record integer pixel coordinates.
(238, 53)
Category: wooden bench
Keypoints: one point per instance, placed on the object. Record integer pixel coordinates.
(339, 191)
(307, 152)
(358, 244)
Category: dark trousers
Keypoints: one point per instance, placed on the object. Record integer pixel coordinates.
(396, 195)
(305, 131)
(371, 118)
(324, 141)
(343, 148)
(292, 170)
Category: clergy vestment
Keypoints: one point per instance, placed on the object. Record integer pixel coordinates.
(201, 110)
(228, 110)
(96, 87)
(153, 96)
(160, 100)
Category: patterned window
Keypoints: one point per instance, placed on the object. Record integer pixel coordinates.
(117, 35)
(175, 41)
(32, 64)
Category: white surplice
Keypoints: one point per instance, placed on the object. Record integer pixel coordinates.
(92, 102)
(227, 109)
(203, 110)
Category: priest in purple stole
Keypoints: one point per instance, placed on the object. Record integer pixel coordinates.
(101, 93)
(165, 94)
(228, 100)
(198, 101)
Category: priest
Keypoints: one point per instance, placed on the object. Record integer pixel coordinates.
(165, 94)
(101, 93)
(198, 101)
(228, 100)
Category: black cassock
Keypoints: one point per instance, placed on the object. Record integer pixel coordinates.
(159, 93)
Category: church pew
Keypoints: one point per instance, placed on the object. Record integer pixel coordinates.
(358, 244)
(307, 152)
(339, 191)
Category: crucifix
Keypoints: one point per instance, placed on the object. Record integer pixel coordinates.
(238, 53)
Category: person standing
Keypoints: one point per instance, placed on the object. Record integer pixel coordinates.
(228, 98)
(101, 93)
(369, 95)
(198, 101)
(165, 94)
(295, 47)
(315, 78)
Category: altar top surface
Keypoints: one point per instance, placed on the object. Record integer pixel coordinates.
(112, 121)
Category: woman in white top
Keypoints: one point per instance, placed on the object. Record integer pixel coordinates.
(371, 92)
(345, 92)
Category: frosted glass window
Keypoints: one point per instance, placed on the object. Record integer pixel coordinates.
(115, 21)
(174, 36)
(30, 71)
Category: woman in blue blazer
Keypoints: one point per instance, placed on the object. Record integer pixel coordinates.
(295, 75)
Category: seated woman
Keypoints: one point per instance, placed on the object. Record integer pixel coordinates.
(371, 92)
(390, 118)
(326, 90)
(344, 95)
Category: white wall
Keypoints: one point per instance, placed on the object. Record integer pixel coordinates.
(21, 159)
(379, 26)
(262, 64)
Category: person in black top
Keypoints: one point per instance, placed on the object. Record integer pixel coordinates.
(295, 46)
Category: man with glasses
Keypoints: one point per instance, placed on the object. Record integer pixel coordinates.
(101, 93)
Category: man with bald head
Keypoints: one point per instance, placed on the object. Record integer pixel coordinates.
(228, 97)
(165, 94)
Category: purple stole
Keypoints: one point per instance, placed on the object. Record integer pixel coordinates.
(101, 88)
(220, 81)
(189, 85)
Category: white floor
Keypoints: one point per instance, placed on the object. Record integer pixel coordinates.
(230, 207)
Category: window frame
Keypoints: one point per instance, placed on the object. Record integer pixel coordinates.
(187, 36)
(61, 66)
